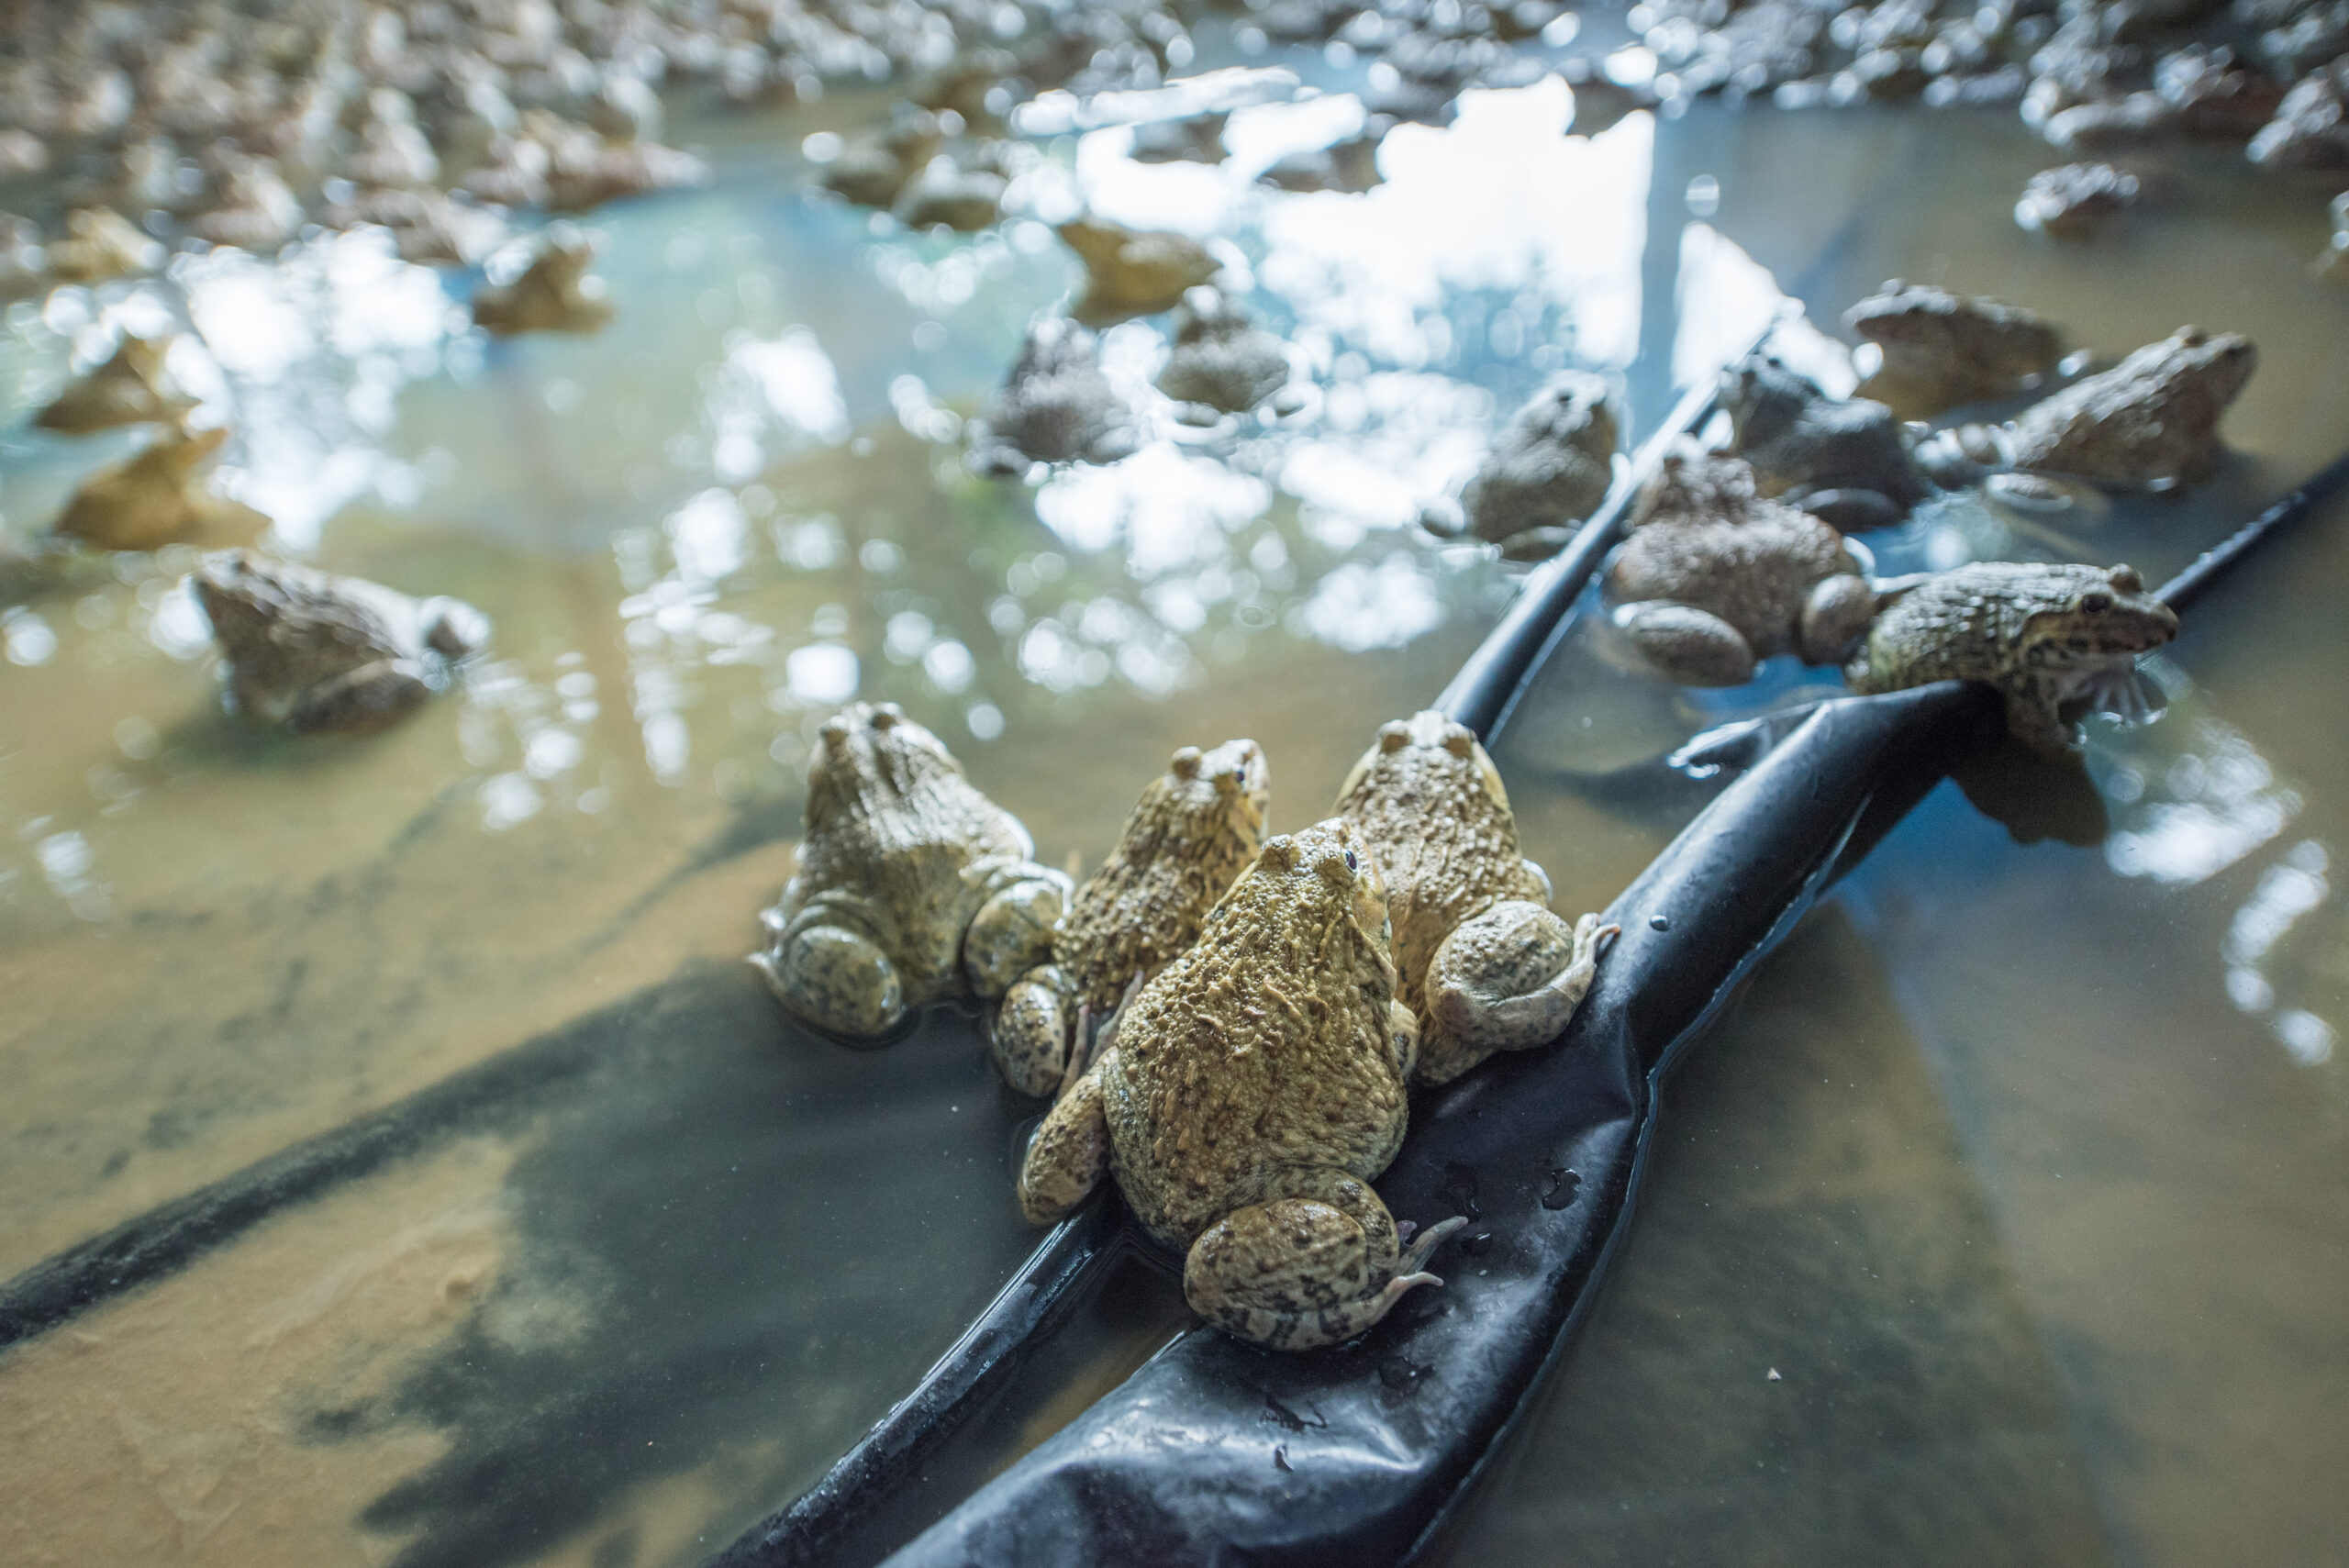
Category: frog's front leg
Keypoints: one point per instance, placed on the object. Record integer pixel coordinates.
(1316, 1262)
(361, 700)
(1012, 932)
(825, 970)
(1070, 1153)
(1835, 616)
(1694, 647)
(1507, 980)
(1032, 1029)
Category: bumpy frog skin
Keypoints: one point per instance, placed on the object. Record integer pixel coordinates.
(2050, 639)
(912, 887)
(556, 293)
(1713, 579)
(1845, 460)
(1251, 1093)
(131, 388)
(1550, 467)
(1194, 830)
(1055, 407)
(2152, 420)
(317, 652)
(1942, 349)
(160, 497)
(1481, 963)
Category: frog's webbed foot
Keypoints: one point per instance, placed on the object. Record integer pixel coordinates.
(1694, 647)
(1314, 1265)
(1835, 616)
(361, 700)
(831, 977)
(1508, 980)
(1069, 1154)
(1030, 1036)
(1012, 932)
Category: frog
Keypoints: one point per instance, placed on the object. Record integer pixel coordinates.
(160, 497)
(1941, 349)
(1250, 1094)
(2076, 201)
(912, 888)
(1055, 407)
(1481, 961)
(101, 245)
(1192, 833)
(2151, 422)
(1845, 461)
(1133, 272)
(1221, 361)
(873, 169)
(318, 652)
(1551, 465)
(131, 388)
(2055, 639)
(554, 293)
(1714, 577)
(949, 193)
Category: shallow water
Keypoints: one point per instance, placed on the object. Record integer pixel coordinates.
(2048, 1264)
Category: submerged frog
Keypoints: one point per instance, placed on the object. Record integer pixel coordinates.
(554, 293)
(1714, 579)
(1133, 272)
(1194, 830)
(1221, 361)
(160, 497)
(318, 652)
(2055, 641)
(1055, 407)
(1253, 1092)
(1845, 461)
(911, 887)
(1481, 963)
(1942, 349)
(131, 388)
(1550, 467)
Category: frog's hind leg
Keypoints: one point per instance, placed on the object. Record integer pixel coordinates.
(831, 976)
(1694, 647)
(361, 700)
(1012, 932)
(1032, 1029)
(1315, 1263)
(1508, 980)
(1069, 1154)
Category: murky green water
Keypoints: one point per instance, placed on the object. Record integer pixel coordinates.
(2023, 1168)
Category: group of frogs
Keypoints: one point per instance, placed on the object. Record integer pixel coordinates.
(1228, 1026)
(1736, 556)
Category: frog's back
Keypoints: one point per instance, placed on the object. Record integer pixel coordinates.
(1960, 625)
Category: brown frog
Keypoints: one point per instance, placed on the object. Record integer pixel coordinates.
(554, 293)
(317, 652)
(1481, 963)
(1845, 461)
(2053, 639)
(1055, 407)
(1251, 1093)
(131, 388)
(1713, 578)
(1942, 349)
(160, 497)
(1133, 272)
(1550, 467)
(911, 887)
(1221, 361)
(1194, 828)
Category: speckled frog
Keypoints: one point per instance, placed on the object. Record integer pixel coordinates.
(2054, 640)
(1250, 1095)
(911, 886)
(1845, 460)
(1713, 578)
(1481, 961)
(1194, 830)
(315, 652)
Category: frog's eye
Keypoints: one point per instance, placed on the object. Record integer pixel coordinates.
(2095, 603)
(1351, 863)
